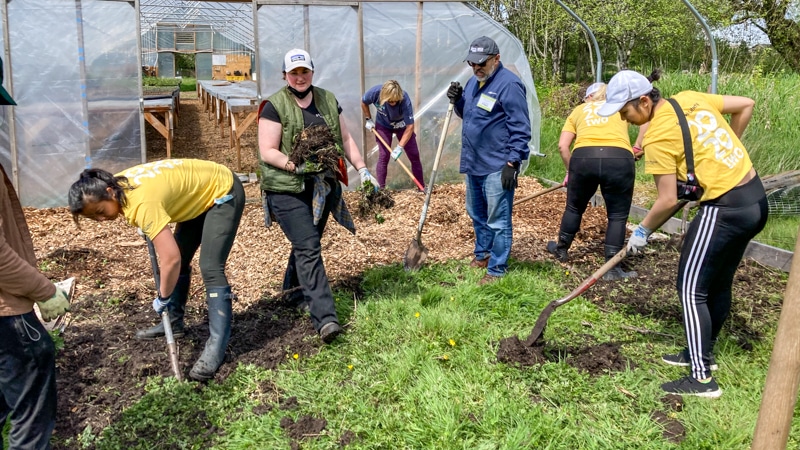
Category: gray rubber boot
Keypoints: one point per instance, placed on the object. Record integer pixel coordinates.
(220, 312)
(616, 273)
(176, 308)
(559, 250)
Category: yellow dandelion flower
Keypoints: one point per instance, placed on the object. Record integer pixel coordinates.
(296, 356)
(416, 314)
(349, 367)
(452, 343)
(452, 298)
(567, 272)
(445, 357)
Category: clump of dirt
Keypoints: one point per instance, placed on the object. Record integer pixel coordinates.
(673, 402)
(674, 431)
(515, 352)
(598, 359)
(372, 203)
(347, 438)
(316, 147)
(305, 427)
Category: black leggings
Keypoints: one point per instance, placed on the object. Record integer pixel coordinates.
(216, 230)
(610, 168)
(712, 249)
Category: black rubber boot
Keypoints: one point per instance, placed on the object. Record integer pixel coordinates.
(616, 272)
(559, 250)
(176, 308)
(220, 312)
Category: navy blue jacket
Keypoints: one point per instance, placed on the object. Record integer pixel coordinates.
(491, 138)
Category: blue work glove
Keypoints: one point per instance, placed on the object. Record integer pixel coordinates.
(367, 177)
(54, 306)
(397, 152)
(509, 176)
(455, 91)
(638, 239)
(160, 304)
(369, 125)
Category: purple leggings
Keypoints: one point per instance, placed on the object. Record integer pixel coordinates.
(411, 150)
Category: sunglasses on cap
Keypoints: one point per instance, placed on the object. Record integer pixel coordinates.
(483, 64)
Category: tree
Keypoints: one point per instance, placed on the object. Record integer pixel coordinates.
(773, 17)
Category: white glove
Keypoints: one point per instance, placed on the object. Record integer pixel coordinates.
(160, 305)
(638, 239)
(54, 306)
(369, 125)
(367, 177)
(397, 152)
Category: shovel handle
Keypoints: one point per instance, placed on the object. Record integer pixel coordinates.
(378, 137)
(536, 194)
(436, 159)
(172, 347)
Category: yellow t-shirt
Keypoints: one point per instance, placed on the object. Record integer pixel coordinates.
(592, 130)
(720, 159)
(172, 190)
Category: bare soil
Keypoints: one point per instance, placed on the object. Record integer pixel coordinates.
(102, 368)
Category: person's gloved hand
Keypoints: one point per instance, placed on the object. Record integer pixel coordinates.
(54, 306)
(638, 239)
(455, 91)
(308, 167)
(566, 179)
(160, 304)
(509, 177)
(367, 177)
(397, 152)
(369, 125)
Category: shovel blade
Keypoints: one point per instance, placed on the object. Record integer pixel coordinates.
(415, 255)
(541, 322)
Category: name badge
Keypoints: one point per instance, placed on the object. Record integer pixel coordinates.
(485, 102)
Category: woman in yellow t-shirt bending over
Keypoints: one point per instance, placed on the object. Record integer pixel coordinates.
(733, 206)
(205, 200)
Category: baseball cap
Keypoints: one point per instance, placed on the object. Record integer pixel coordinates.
(295, 58)
(625, 86)
(481, 49)
(5, 97)
(594, 87)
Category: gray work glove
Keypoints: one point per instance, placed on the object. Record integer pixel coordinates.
(369, 125)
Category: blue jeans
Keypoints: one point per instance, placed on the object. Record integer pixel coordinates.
(490, 207)
(27, 382)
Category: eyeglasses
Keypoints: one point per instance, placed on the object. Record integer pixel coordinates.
(483, 64)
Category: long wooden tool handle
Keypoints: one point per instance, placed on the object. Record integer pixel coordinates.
(436, 159)
(172, 347)
(378, 136)
(536, 194)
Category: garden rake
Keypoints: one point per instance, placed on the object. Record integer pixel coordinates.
(416, 252)
(536, 194)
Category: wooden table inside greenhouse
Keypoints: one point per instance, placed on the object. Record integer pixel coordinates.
(161, 113)
(232, 105)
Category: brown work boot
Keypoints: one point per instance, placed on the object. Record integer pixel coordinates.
(488, 279)
(479, 263)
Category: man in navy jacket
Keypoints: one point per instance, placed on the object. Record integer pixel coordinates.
(495, 133)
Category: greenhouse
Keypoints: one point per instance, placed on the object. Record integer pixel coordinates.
(79, 94)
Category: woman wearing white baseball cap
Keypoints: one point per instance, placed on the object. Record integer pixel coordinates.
(733, 204)
(301, 198)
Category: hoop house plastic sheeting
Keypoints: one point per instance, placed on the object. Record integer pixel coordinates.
(76, 90)
(390, 52)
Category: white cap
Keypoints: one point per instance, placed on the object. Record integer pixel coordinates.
(295, 58)
(594, 87)
(625, 86)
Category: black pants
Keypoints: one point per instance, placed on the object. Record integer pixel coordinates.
(610, 168)
(712, 249)
(27, 382)
(216, 230)
(305, 268)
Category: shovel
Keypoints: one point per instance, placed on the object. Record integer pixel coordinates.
(172, 347)
(419, 185)
(536, 194)
(416, 252)
(538, 328)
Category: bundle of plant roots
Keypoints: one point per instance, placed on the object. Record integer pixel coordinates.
(371, 202)
(316, 147)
